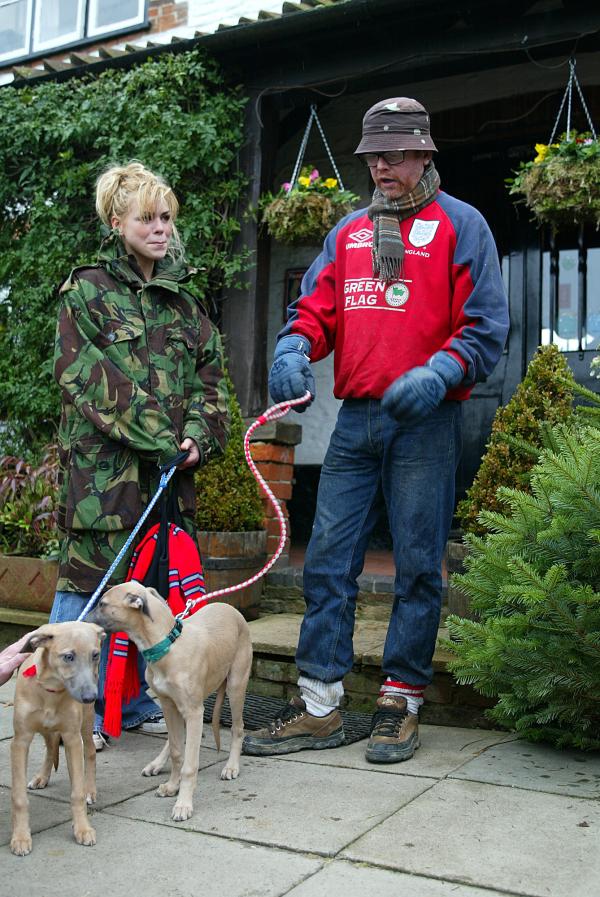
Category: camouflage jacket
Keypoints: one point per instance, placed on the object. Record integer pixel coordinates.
(140, 368)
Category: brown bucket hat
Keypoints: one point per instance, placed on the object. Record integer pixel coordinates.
(396, 124)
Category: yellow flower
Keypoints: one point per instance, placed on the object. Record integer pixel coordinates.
(542, 151)
(331, 183)
(304, 182)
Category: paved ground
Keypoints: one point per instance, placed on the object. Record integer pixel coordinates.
(475, 814)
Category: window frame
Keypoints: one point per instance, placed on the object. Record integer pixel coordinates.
(18, 54)
(39, 45)
(88, 36)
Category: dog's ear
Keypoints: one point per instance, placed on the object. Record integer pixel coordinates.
(156, 594)
(38, 638)
(99, 631)
(138, 602)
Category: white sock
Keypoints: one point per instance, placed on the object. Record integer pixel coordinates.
(321, 698)
(414, 700)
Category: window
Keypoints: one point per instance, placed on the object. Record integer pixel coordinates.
(28, 27)
(570, 296)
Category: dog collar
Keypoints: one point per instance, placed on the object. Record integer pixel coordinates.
(32, 671)
(158, 651)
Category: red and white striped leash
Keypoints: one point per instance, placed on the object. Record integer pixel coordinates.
(272, 413)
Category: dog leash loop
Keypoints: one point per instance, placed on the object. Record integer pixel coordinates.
(272, 413)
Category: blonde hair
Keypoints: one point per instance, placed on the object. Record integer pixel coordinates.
(121, 185)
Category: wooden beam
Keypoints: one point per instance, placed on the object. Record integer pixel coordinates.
(245, 311)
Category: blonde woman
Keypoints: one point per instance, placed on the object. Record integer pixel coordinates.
(141, 375)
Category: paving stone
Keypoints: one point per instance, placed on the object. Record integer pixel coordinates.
(443, 750)
(118, 768)
(537, 767)
(138, 858)
(483, 835)
(42, 815)
(7, 691)
(280, 804)
(6, 721)
(345, 878)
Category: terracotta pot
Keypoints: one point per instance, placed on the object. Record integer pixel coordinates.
(231, 558)
(27, 583)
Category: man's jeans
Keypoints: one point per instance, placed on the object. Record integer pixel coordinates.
(67, 606)
(372, 458)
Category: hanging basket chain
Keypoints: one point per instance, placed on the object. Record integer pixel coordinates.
(568, 95)
(313, 117)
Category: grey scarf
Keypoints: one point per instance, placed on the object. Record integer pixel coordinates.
(386, 215)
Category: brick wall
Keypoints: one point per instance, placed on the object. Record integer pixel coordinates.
(275, 462)
(165, 14)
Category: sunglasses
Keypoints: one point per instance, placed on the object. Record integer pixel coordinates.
(393, 157)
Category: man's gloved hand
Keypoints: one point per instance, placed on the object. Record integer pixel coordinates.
(414, 395)
(291, 375)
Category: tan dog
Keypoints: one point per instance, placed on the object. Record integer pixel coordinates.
(212, 653)
(55, 693)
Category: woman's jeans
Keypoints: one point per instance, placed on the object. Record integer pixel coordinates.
(373, 459)
(68, 606)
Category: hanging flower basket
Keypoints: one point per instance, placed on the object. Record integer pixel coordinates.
(306, 212)
(561, 185)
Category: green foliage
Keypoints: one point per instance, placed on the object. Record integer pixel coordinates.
(306, 211)
(543, 398)
(562, 184)
(28, 493)
(176, 116)
(534, 581)
(227, 495)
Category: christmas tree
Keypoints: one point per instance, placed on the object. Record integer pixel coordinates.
(534, 580)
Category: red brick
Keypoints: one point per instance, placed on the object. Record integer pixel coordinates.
(275, 473)
(281, 490)
(269, 451)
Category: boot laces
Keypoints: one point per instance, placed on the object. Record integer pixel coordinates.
(387, 722)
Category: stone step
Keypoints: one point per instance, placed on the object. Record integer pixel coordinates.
(274, 640)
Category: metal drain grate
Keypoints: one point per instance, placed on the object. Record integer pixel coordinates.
(260, 710)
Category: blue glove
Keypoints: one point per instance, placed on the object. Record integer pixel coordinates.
(291, 375)
(414, 395)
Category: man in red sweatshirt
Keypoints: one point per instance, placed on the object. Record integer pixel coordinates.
(408, 295)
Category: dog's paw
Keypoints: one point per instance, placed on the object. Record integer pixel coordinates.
(38, 781)
(167, 789)
(90, 798)
(230, 772)
(21, 845)
(152, 769)
(181, 812)
(85, 836)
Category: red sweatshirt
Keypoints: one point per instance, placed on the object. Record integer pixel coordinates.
(451, 297)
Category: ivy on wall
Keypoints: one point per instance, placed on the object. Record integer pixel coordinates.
(176, 115)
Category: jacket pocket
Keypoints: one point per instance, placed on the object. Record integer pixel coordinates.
(103, 490)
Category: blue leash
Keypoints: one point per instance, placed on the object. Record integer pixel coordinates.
(164, 479)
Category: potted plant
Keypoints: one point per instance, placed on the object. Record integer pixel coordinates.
(29, 539)
(229, 518)
(561, 185)
(305, 211)
(544, 398)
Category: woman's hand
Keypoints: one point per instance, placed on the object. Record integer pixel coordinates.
(12, 657)
(194, 454)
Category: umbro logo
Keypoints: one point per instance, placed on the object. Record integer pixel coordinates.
(361, 236)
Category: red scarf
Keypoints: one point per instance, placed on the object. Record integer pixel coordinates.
(186, 582)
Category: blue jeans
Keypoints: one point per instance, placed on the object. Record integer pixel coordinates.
(67, 606)
(373, 459)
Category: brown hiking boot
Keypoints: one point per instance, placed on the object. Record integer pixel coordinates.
(394, 731)
(295, 729)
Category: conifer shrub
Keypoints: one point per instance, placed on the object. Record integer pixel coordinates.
(227, 495)
(534, 580)
(543, 398)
